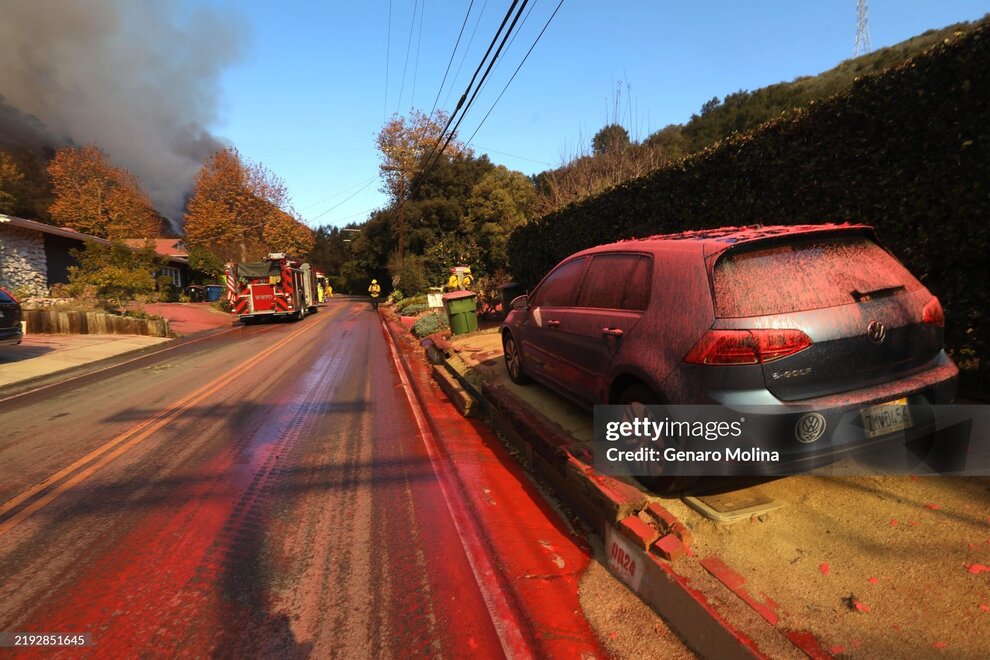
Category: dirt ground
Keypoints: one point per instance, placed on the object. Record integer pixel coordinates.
(873, 566)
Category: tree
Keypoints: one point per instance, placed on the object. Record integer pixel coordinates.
(11, 178)
(115, 272)
(283, 233)
(94, 197)
(497, 206)
(405, 143)
(202, 260)
(610, 138)
(240, 211)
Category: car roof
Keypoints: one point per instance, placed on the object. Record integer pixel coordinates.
(715, 241)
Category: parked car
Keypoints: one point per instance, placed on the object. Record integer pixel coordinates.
(803, 317)
(10, 319)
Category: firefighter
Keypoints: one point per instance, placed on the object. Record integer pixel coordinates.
(466, 279)
(328, 290)
(373, 291)
(454, 283)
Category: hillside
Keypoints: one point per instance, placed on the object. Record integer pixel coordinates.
(718, 119)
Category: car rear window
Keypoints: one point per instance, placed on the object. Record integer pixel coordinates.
(805, 274)
(4, 298)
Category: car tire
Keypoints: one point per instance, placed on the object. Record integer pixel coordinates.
(513, 360)
(661, 484)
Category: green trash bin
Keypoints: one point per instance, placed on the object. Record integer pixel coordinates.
(462, 311)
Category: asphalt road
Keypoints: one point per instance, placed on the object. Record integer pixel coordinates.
(283, 490)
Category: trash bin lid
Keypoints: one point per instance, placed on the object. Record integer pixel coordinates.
(457, 295)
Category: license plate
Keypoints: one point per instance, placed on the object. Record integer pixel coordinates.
(885, 418)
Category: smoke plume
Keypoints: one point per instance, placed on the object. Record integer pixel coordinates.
(139, 79)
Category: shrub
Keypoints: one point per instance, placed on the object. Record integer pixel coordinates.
(408, 273)
(115, 272)
(413, 300)
(413, 310)
(429, 324)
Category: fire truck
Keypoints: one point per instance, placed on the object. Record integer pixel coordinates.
(276, 287)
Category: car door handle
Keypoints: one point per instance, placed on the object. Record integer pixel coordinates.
(553, 324)
(612, 332)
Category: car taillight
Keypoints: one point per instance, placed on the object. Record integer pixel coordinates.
(747, 346)
(932, 313)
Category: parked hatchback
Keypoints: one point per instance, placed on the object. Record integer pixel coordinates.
(10, 319)
(803, 317)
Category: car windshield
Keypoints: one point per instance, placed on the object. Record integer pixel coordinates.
(805, 274)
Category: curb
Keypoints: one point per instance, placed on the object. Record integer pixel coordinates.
(646, 546)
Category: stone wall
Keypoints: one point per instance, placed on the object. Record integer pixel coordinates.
(23, 265)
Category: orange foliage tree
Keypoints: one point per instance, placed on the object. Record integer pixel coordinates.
(240, 211)
(95, 197)
(405, 142)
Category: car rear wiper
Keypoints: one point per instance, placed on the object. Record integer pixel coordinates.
(883, 292)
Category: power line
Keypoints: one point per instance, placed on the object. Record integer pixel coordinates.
(339, 192)
(504, 153)
(343, 201)
(481, 64)
(453, 131)
(540, 35)
(467, 49)
(451, 61)
(419, 42)
(511, 41)
(405, 66)
(388, 50)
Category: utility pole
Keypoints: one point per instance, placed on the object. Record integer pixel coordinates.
(402, 202)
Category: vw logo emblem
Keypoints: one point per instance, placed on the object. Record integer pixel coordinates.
(810, 427)
(876, 331)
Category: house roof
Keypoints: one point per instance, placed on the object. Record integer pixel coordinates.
(167, 247)
(34, 225)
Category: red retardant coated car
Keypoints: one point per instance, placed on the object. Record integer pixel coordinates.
(799, 317)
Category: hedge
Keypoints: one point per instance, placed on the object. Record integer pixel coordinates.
(907, 151)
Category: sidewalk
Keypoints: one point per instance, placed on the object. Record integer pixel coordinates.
(41, 355)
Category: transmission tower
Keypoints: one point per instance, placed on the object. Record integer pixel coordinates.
(862, 46)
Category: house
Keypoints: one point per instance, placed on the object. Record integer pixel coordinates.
(35, 256)
(172, 249)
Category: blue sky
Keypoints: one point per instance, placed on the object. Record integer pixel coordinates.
(309, 93)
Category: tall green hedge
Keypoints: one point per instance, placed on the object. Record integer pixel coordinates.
(907, 151)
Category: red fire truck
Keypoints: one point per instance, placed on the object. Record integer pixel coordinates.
(278, 286)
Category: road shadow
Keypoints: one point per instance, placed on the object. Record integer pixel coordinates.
(21, 352)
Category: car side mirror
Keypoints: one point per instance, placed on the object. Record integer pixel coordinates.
(520, 302)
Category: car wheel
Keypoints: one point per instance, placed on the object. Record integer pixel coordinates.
(513, 361)
(637, 397)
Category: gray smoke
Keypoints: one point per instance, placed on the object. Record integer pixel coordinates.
(140, 78)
